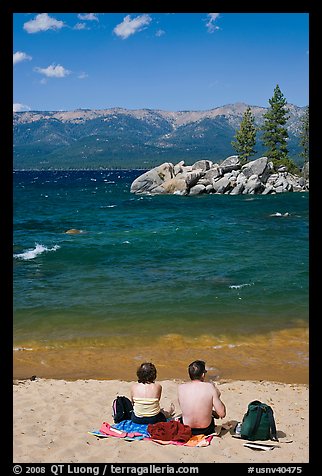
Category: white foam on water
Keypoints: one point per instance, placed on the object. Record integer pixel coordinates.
(239, 286)
(17, 349)
(230, 346)
(33, 253)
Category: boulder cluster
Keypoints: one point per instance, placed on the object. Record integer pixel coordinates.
(229, 177)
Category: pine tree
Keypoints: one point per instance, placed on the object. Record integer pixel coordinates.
(245, 137)
(304, 136)
(275, 134)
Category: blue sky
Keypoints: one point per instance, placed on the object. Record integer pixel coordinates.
(168, 61)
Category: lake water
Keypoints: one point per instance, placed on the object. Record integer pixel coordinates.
(164, 278)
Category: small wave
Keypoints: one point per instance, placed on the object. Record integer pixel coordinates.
(279, 214)
(18, 349)
(230, 346)
(33, 253)
(239, 286)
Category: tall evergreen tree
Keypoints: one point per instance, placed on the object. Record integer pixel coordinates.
(245, 137)
(275, 134)
(304, 136)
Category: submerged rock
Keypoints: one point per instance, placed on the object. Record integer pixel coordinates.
(73, 231)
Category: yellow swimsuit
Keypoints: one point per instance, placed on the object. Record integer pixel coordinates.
(146, 407)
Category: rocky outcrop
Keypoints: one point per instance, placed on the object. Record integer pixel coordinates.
(229, 177)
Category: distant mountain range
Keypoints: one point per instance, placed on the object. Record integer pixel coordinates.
(138, 139)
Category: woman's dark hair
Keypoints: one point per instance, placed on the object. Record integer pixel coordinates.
(147, 373)
(196, 369)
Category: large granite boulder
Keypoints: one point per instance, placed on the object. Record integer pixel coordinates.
(255, 167)
(147, 182)
(229, 177)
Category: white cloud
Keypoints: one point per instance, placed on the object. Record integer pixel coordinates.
(159, 33)
(17, 107)
(80, 26)
(53, 71)
(211, 27)
(82, 75)
(130, 26)
(19, 56)
(88, 16)
(43, 22)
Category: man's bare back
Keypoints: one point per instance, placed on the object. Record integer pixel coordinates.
(198, 400)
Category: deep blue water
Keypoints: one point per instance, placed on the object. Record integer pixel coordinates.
(148, 265)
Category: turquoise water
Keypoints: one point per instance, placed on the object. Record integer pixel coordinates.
(153, 265)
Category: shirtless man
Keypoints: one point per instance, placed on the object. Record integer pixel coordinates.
(200, 401)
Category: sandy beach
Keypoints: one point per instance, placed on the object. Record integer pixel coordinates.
(52, 418)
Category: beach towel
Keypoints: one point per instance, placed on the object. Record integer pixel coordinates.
(130, 427)
(194, 441)
(170, 431)
(130, 431)
(108, 430)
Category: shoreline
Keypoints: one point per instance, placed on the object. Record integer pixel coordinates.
(287, 374)
(281, 356)
(52, 419)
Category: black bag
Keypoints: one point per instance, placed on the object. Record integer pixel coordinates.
(258, 423)
(122, 409)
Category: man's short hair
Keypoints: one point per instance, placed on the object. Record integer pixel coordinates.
(196, 369)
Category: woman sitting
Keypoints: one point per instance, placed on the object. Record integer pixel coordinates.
(146, 395)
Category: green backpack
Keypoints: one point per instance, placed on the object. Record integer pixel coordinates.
(258, 423)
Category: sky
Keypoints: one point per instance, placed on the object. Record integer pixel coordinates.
(165, 61)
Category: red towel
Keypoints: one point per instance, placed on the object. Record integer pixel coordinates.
(170, 430)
